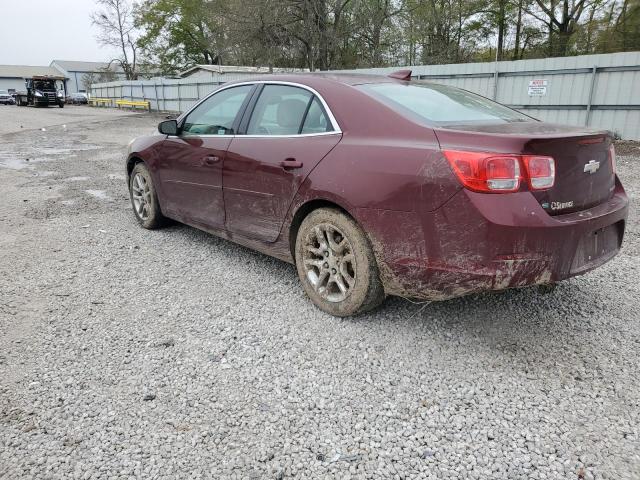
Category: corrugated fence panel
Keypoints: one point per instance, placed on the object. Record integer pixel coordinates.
(601, 91)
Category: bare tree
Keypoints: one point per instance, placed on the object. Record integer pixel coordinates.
(562, 17)
(88, 79)
(115, 21)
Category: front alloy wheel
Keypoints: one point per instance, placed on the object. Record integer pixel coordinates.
(143, 198)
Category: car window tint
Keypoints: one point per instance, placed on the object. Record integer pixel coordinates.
(216, 114)
(279, 110)
(316, 120)
(442, 104)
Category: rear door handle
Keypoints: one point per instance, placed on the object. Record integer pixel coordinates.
(290, 163)
(210, 160)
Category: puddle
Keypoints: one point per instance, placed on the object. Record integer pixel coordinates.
(15, 157)
(9, 160)
(46, 150)
(100, 194)
(53, 151)
(44, 173)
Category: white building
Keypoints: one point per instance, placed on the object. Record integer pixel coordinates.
(12, 77)
(79, 72)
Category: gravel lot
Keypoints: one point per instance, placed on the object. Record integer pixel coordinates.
(173, 354)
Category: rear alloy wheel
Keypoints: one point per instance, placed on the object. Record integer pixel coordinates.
(336, 264)
(144, 199)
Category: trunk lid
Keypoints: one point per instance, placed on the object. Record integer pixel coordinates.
(584, 175)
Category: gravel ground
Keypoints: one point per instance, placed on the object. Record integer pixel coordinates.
(173, 354)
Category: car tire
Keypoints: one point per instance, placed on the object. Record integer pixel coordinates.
(336, 264)
(144, 200)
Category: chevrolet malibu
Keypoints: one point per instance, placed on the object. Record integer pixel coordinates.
(376, 186)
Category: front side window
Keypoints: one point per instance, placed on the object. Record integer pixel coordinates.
(280, 110)
(215, 116)
(441, 104)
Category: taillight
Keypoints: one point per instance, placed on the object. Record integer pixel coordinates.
(541, 171)
(499, 173)
(612, 158)
(485, 172)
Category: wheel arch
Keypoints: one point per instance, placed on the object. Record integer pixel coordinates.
(132, 161)
(303, 211)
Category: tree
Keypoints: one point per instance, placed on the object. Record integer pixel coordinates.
(115, 22)
(620, 31)
(375, 31)
(562, 17)
(88, 79)
(341, 34)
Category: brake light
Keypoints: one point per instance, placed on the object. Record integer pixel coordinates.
(499, 173)
(485, 172)
(541, 171)
(612, 158)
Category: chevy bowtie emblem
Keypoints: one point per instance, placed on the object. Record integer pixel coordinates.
(591, 167)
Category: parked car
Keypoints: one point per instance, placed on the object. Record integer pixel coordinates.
(78, 98)
(379, 186)
(6, 98)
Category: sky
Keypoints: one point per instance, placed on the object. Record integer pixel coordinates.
(45, 30)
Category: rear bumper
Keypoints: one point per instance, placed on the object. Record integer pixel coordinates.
(478, 242)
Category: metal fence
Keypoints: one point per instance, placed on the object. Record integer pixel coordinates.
(593, 90)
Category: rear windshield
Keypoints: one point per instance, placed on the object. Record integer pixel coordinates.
(441, 104)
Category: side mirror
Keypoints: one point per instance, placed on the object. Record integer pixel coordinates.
(168, 127)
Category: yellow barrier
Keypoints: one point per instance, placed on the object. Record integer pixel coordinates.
(100, 101)
(133, 104)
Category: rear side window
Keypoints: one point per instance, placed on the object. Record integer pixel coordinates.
(279, 110)
(316, 120)
(441, 104)
(288, 110)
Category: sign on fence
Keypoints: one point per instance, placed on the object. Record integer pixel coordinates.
(537, 88)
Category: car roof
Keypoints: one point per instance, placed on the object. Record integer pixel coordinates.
(314, 78)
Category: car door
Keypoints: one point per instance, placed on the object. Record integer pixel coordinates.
(190, 166)
(286, 131)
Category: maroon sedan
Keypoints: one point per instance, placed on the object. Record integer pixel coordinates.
(379, 186)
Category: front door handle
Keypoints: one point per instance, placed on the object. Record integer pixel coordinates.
(210, 160)
(290, 163)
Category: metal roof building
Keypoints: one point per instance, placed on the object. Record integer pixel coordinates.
(12, 76)
(76, 70)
